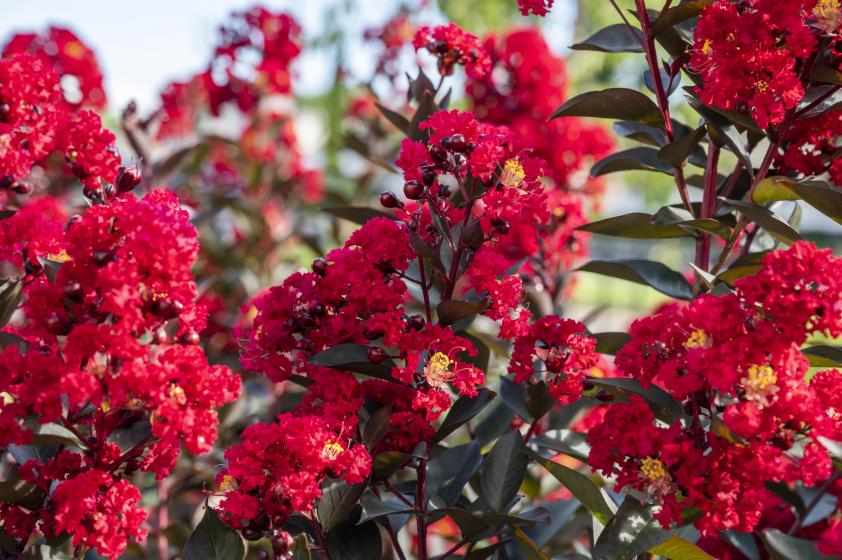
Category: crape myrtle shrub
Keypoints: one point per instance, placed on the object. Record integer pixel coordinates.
(415, 391)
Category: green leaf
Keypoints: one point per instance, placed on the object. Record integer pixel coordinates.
(618, 38)
(824, 356)
(766, 219)
(634, 159)
(640, 132)
(539, 401)
(503, 472)
(580, 486)
(629, 532)
(214, 540)
(677, 548)
(357, 214)
(784, 547)
(530, 549)
(744, 266)
(574, 444)
(744, 542)
(349, 541)
(387, 463)
(300, 548)
(610, 342)
(374, 507)
(10, 296)
(676, 154)
(454, 310)
(337, 501)
(637, 225)
(664, 406)
(723, 132)
(669, 215)
(352, 357)
(616, 103)
(450, 470)
(463, 410)
(820, 196)
(687, 9)
(377, 426)
(513, 396)
(648, 273)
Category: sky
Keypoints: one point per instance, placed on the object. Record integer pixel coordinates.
(144, 45)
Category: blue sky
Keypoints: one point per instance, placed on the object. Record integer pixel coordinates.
(143, 45)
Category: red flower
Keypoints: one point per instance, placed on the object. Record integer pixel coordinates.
(452, 45)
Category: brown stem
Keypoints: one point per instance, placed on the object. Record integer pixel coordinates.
(424, 289)
(708, 205)
(421, 507)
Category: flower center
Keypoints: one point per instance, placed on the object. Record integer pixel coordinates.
(652, 468)
(513, 174)
(698, 339)
(437, 371)
(332, 449)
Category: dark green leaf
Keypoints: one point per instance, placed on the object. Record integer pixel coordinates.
(687, 9)
(634, 159)
(629, 532)
(669, 215)
(744, 266)
(214, 540)
(374, 507)
(616, 103)
(824, 356)
(530, 550)
(352, 357)
(348, 541)
(568, 442)
(300, 548)
(616, 38)
(581, 487)
(387, 463)
(610, 342)
(676, 154)
(513, 396)
(463, 410)
(450, 470)
(820, 196)
(663, 405)
(560, 512)
(15, 491)
(648, 273)
(357, 214)
(766, 219)
(503, 472)
(637, 225)
(539, 401)
(10, 296)
(337, 501)
(454, 310)
(377, 426)
(723, 132)
(744, 542)
(640, 132)
(784, 547)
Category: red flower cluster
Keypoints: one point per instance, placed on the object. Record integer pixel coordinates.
(393, 36)
(752, 416)
(35, 121)
(753, 55)
(277, 469)
(528, 83)
(97, 356)
(809, 147)
(537, 7)
(70, 58)
(452, 45)
(563, 346)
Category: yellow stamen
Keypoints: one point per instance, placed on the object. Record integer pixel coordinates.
(74, 49)
(513, 174)
(437, 371)
(61, 256)
(698, 339)
(652, 469)
(828, 14)
(332, 450)
(228, 483)
(177, 393)
(759, 379)
(706, 48)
